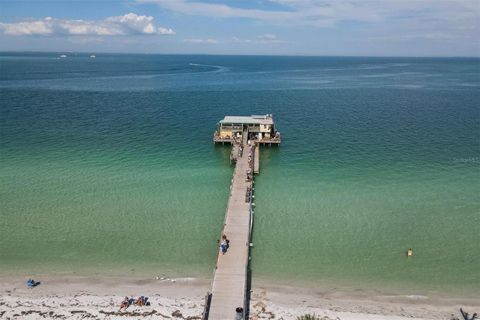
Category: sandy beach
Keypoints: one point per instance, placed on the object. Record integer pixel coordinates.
(79, 297)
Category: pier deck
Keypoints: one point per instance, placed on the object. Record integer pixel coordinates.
(230, 280)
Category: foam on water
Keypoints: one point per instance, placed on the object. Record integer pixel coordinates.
(216, 68)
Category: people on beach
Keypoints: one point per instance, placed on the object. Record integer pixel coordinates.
(142, 301)
(125, 304)
(32, 283)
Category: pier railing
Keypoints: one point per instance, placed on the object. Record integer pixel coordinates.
(206, 306)
(246, 299)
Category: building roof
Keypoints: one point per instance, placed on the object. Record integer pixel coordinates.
(254, 119)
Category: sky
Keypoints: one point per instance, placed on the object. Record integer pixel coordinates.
(252, 27)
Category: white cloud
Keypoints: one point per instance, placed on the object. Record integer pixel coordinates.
(206, 41)
(418, 23)
(441, 37)
(328, 13)
(112, 26)
(261, 39)
(322, 14)
(269, 38)
(197, 8)
(86, 39)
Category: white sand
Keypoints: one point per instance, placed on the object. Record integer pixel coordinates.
(288, 302)
(75, 297)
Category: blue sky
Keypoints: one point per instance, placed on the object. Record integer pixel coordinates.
(286, 27)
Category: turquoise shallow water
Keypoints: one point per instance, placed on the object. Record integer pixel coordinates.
(107, 166)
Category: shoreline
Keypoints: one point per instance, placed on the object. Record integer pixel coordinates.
(94, 297)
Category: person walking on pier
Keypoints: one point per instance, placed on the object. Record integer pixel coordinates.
(223, 247)
(224, 238)
(224, 244)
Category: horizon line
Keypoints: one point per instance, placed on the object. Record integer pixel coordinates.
(234, 55)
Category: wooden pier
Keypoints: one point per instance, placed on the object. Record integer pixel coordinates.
(229, 290)
(230, 295)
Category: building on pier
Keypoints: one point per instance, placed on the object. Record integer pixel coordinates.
(259, 128)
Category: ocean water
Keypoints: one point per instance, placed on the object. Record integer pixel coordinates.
(108, 167)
